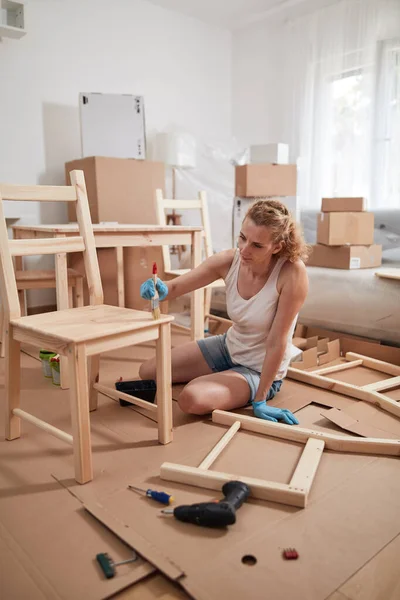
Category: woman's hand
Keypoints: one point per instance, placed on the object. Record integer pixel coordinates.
(147, 289)
(269, 413)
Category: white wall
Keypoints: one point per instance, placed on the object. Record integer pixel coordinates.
(181, 66)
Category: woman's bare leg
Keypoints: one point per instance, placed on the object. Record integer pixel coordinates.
(187, 362)
(226, 390)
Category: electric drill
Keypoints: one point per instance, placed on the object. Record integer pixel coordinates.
(214, 514)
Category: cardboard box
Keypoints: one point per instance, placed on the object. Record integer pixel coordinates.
(269, 153)
(340, 228)
(252, 181)
(343, 204)
(121, 190)
(345, 257)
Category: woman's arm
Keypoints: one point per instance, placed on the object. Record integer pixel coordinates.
(291, 299)
(213, 268)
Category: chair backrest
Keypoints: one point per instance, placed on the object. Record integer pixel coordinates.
(200, 204)
(84, 242)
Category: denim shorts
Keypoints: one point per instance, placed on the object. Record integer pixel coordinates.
(216, 353)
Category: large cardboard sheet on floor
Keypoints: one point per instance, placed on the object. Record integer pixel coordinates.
(328, 534)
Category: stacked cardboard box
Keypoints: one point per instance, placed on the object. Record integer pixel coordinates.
(345, 236)
(263, 180)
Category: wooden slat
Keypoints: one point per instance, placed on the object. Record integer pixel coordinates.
(214, 480)
(119, 251)
(12, 384)
(116, 395)
(223, 442)
(182, 204)
(46, 246)
(62, 294)
(385, 384)
(62, 435)
(373, 363)
(10, 299)
(307, 466)
(38, 193)
(197, 296)
(293, 433)
(86, 229)
(335, 368)
(348, 389)
(164, 384)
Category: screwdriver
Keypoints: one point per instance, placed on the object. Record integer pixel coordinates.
(161, 497)
(214, 514)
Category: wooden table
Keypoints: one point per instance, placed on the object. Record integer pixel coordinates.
(121, 236)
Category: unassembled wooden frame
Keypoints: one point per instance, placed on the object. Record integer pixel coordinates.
(296, 492)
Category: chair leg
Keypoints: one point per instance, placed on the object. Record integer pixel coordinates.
(164, 386)
(12, 384)
(78, 292)
(3, 333)
(79, 396)
(207, 307)
(94, 369)
(22, 302)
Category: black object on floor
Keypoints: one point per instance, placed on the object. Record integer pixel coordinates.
(145, 389)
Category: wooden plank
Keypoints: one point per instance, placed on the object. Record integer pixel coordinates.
(373, 363)
(182, 204)
(86, 229)
(164, 384)
(62, 295)
(120, 340)
(141, 238)
(214, 480)
(307, 466)
(62, 435)
(389, 274)
(385, 384)
(46, 246)
(223, 442)
(292, 433)
(12, 384)
(116, 395)
(38, 193)
(120, 275)
(197, 296)
(348, 389)
(79, 399)
(10, 299)
(335, 368)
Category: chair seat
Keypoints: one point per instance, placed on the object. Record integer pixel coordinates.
(178, 272)
(50, 275)
(76, 325)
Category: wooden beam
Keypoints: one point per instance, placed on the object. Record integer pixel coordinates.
(335, 368)
(62, 435)
(214, 480)
(373, 363)
(348, 389)
(116, 395)
(294, 433)
(307, 466)
(31, 247)
(216, 451)
(38, 193)
(385, 384)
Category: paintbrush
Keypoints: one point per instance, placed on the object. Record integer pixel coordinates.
(155, 301)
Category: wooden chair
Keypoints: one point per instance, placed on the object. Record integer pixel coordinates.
(34, 279)
(201, 205)
(75, 333)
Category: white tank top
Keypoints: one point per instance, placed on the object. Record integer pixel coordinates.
(252, 320)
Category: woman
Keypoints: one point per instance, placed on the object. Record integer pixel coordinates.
(266, 285)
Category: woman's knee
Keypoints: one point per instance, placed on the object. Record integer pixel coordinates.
(147, 370)
(191, 400)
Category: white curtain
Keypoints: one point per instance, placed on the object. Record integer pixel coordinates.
(341, 82)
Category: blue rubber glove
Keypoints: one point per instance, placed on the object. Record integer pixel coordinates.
(147, 289)
(269, 413)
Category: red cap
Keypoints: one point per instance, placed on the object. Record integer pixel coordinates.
(154, 268)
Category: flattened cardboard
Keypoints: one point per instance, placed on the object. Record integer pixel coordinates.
(351, 204)
(262, 180)
(335, 536)
(349, 423)
(345, 257)
(338, 229)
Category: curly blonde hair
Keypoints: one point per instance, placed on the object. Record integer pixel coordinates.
(275, 215)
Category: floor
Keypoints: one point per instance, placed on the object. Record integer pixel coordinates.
(48, 545)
